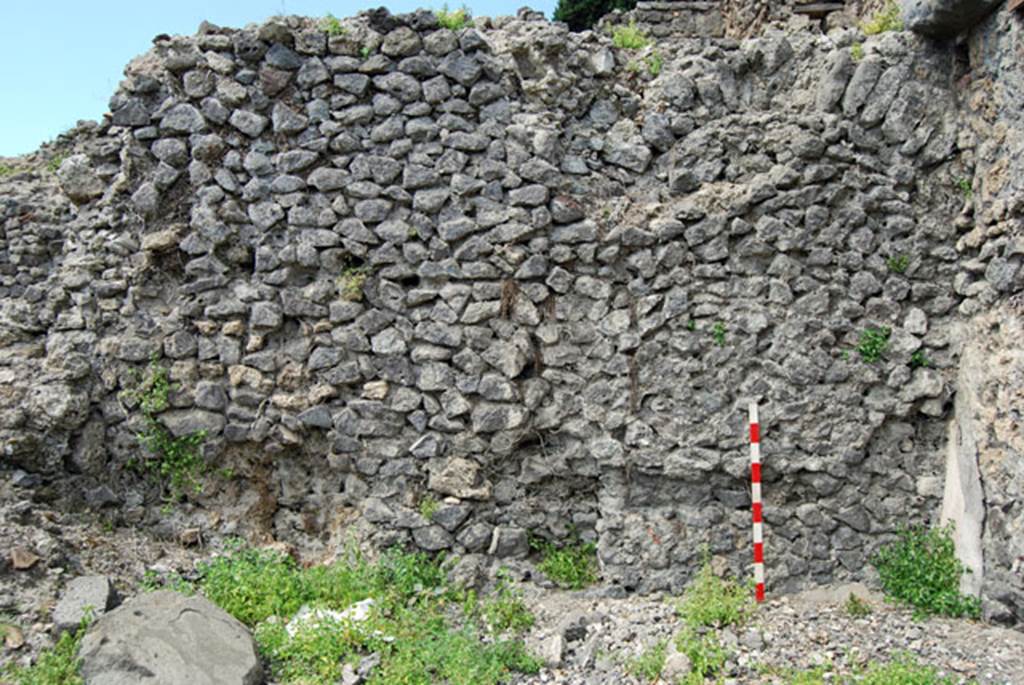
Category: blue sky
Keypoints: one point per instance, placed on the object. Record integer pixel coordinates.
(61, 60)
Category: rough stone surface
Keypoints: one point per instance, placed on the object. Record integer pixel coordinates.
(945, 18)
(84, 596)
(509, 269)
(165, 637)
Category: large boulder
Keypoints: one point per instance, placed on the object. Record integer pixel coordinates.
(945, 18)
(165, 638)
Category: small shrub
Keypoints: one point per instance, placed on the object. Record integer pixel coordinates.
(649, 663)
(889, 18)
(919, 360)
(857, 607)
(898, 263)
(365, 51)
(630, 37)
(873, 343)
(711, 601)
(921, 569)
(6, 170)
(254, 584)
(57, 665)
(454, 20)
(718, 333)
(654, 63)
(857, 52)
(573, 566)
(331, 25)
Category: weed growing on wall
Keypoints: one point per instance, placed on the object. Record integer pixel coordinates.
(889, 18)
(454, 19)
(654, 63)
(718, 333)
(572, 566)
(857, 52)
(921, 569)
(428, 507)
(331, 25)
(919, 360)
(898, 263)
(873, 344)
(965, 188)
(176, 460)
(350, 283)
(630, 37)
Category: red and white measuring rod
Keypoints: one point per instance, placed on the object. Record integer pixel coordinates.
(755, 498)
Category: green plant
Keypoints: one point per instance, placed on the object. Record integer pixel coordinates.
(965, 187)
(57, 665)
(331, 25)
(873, 343)
(921, 569)
(691, 325)
(350, 283)
(902, 670)
(153, 580)
(718, 333)
(178, 460)
(572, 566)
(898, 263)
(889, 18)
(365, 51)
(857, 51)
(655, 63)
(649, 663)
(584, 14)
(630, 37)
(505, 610)
(6, 170)
(423, 630)
(919, 360)
(454, 20)
(54, 162)
(705, 651)
(428, 507)
(857, 607)
(712, 601)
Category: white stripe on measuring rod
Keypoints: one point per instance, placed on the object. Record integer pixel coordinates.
(758, 532)
(758, 573)
(753, 412)
(755, 492)
(755, 452)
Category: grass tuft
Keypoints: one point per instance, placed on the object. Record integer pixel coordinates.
(889, 18)
(55, 666)
(873, 344)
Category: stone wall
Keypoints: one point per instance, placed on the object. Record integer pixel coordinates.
(509, 272)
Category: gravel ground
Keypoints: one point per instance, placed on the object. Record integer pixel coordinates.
(599, 635)
(587, 637)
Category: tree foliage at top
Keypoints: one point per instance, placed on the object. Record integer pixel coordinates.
(584, 14)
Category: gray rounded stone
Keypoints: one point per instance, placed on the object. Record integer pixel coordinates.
(164, 638)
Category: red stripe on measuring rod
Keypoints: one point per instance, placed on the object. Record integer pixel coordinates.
(755, 473)
(758, 552)
(759, 592)
(755, 433)
(757, 512)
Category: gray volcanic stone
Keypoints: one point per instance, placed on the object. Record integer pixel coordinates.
(945, 18)
(249, 123)
(163, 638)
(84, 596)
(183, 118)
(78, 179)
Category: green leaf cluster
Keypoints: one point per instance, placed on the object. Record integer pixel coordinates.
(873, 343)
(921, 569)
(572, 566)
